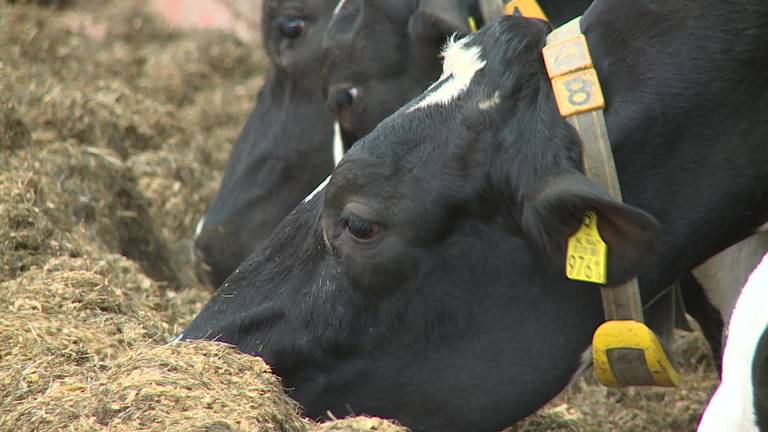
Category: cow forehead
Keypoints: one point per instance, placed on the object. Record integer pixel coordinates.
(276, 6)
(461, 61)
(348, 12)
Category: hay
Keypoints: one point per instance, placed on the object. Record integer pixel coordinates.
(190, 386)
(125, 125)
(66, 199)
(28, 236)
(78, 348)
(73, 313)
(186, 387)
(359, 424)
(14, 133)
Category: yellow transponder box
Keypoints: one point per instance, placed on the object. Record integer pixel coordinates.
(628, 353)
(526, 8)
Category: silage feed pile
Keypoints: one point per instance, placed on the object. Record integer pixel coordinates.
(114, 130)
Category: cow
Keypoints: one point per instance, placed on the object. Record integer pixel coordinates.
(285, 148)
(423, 281)
(382, 54)
(277, 160)
(740, 402)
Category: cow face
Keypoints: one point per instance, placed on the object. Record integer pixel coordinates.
(426, 281)
(383, 54)
(285, 148)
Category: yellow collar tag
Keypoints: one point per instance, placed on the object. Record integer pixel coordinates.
(526, 8)
(472, 24)
(574, 79)
(586, 258)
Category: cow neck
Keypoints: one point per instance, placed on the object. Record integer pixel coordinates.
(580, 101)
(620, 357)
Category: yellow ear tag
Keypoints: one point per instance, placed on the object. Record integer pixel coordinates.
(472, 24)
(526, 8)
(586, 258)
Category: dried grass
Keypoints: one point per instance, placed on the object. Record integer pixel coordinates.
(198, 386)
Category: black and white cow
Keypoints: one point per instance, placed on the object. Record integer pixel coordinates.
(382, 54)
(425, 281)
(740, 403)
(284, 150)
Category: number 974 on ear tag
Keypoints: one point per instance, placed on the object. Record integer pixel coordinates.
(586, 257)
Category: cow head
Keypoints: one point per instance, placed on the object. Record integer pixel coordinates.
(285, 148)
(381, 54)
(426, 281)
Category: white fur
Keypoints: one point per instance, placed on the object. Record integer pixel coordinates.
(723, 275)
(317, 189)
(459, 67)
(199, 227)
(585, 361)
(338, 7)
(763, 227)
(732, 407)
(338, 145)
(491, 102)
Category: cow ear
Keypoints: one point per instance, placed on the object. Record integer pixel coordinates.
(435, 20)
(555, 211)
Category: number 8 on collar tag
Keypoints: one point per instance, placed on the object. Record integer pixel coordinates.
(586, 258)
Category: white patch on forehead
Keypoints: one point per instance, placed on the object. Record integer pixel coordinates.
(732, 407)
(199, 227)
(459, 67)
(338, 145)
(317, 189)
(491, 102)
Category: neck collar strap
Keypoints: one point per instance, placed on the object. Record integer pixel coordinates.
(624, 350)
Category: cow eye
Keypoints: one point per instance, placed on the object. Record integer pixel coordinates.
(361, 229)
(290, 27)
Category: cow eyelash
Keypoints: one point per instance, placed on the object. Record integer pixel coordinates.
(361, 229)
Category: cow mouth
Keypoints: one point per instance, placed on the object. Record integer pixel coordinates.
(347, 136)
(202, 270)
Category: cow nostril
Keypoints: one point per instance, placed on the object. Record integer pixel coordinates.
(341, 99)
(203, 271)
